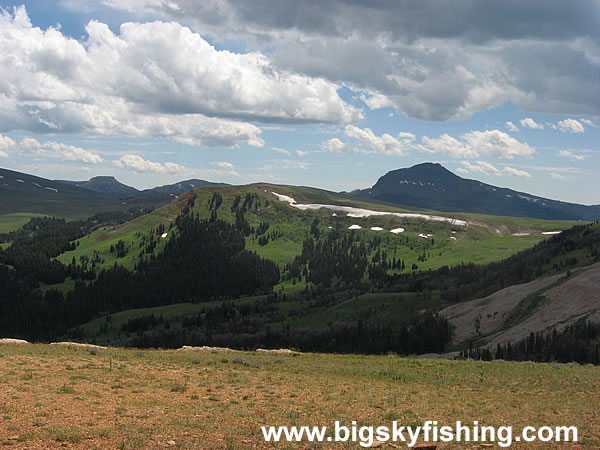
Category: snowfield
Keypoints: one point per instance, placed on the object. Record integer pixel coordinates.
(360, 212)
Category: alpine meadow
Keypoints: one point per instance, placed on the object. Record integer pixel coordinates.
(292, 224)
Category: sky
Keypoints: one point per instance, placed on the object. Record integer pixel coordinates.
(325, 94)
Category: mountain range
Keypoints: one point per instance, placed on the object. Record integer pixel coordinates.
(105, 185)
(426, 186)
(431, 186)
(110, 185)
(24, 193)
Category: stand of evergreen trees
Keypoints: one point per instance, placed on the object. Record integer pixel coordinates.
(204, 260)
(427, 334)
(576, 343)
(339, 261)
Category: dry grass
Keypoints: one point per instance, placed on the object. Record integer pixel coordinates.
(67, 397)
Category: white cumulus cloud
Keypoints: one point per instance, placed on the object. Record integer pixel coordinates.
(481, 167)
(449, 145)
(494, 143)
(156, 79)
(511, 126)
(336, 146)
(516, 172)
(139, 164)
(6, 143)
(489, 169)
(530, 123)
(497, 144)
(53, 149)
(223, 164)
(385, 144)
(570, 126)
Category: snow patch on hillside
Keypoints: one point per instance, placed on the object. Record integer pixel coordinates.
(284, 198)
(360, 212)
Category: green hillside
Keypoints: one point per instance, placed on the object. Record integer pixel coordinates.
(334, 277)
(12, 222)
(485, 239)
(95, 248)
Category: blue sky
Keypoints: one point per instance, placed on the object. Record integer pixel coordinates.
(296, 92)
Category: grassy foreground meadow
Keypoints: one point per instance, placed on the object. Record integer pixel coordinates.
(58, 396)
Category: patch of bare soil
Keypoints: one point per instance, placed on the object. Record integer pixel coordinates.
(576, 298)
(485, 315)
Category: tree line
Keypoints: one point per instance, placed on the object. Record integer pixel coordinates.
(426, 334)
(575, 343)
